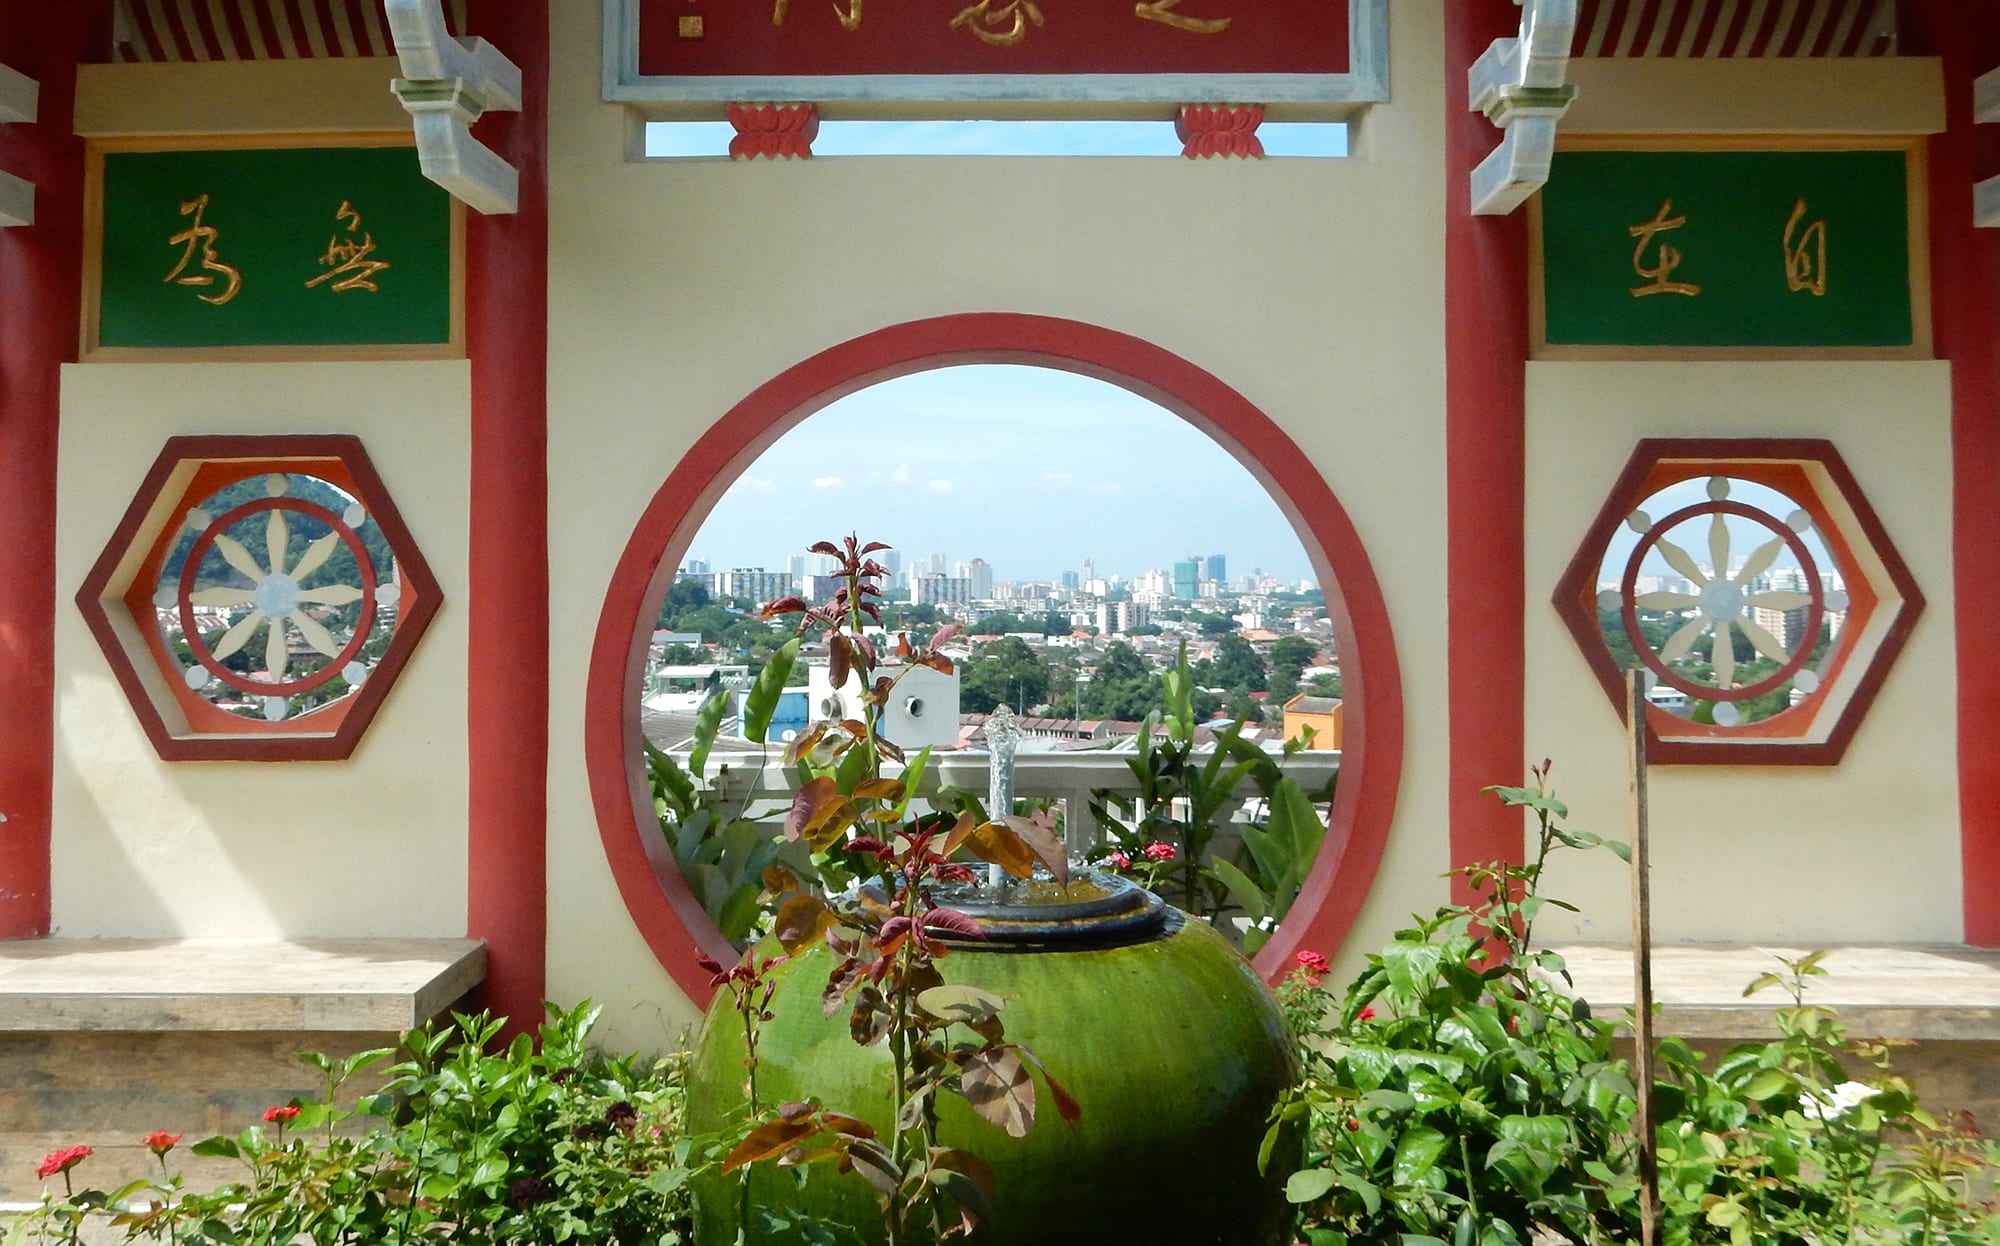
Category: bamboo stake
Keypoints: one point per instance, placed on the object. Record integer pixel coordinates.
(1642, 963)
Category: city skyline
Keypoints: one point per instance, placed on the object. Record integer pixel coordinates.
(958, 461)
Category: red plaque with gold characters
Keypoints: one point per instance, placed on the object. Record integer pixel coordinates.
(1170, 51)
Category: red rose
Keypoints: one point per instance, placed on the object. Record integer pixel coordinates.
(1367, 1013)
(159, 1142)
(61, 1161)
(1161, 852)
(1118, 861)
(1314, 962)
(279, 1116)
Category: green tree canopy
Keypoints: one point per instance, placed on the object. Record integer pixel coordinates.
(1003, 671)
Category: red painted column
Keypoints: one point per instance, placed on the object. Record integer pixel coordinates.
(1486, 351)
(41, 279)
(1965, 302)
(508, 701)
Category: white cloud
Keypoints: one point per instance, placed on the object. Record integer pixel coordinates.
(754, 484)
(901, 474)
(939, 486)
(1054, 480)
(828, 482)
(1108, 488)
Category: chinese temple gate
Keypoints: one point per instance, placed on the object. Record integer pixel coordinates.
(1602, 286)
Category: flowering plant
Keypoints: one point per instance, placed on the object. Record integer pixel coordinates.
(534, 1142)
(1452, 1095)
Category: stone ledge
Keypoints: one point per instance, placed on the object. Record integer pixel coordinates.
(156, 985)
(1927, 993)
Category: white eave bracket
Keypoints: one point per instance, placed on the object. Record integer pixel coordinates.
(447, 84)
(1520, 85)
(19, 99)
(1986, 107)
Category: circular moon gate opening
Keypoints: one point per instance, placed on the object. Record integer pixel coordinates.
(671, 918)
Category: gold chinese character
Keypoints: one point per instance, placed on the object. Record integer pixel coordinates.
(205, 237)
(1805, 263)
(984, 20)
(1669, 257)
(349, 256)
(1162, 11)
(849, 20)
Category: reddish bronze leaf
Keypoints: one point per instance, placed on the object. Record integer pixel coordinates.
(997, 1085)
(1047, 845)
(837, 665)
(772, 1138)
(783, 605)
(999, 844)
(800, 922)
(1066, 1106)
(812, 797)
(953, 922)
(778, 881)
(879, 789)
(872, 1019)
(801, 746)
(872, 1161)
(848, 1125)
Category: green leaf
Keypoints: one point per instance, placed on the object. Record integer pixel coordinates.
(1247, 894)
(762, 702)
(1416, 1154)
(1769, 1083)
(707, 722)
(1310, 1184)
(490, 1170)
(967, 1005)
(225, 1148)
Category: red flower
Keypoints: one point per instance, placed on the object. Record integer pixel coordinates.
(62, 1161)
(1161, 852)
(279, 1116)
(1118, 861)
(1314, 962)
(1353, 1125)
(159, 1142)
(1367, 1013)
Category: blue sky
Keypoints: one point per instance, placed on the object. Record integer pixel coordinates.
(1032, 469)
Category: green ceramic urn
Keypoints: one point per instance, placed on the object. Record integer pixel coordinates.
(1166, 1037)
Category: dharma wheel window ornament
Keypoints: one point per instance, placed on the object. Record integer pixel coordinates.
(1754, 586)
(259, 598)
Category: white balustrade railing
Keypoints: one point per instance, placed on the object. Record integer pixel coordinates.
(764, 783)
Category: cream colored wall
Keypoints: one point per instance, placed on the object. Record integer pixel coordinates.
(372, 846)
(1866, 851)
(1313, 287)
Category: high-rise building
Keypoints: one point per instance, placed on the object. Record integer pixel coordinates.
(1187, 578)
(979, 574)
(1217, 568)
(939, 590)
(795, 570)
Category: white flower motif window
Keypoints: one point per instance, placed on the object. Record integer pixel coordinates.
(279, 595)
(1756, 589)
(259, 598)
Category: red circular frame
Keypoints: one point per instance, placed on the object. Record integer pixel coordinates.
(191, 569)
(1630, 610)
(669, 916)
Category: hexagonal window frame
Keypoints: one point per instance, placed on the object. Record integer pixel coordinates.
(118, 597)
(1882, 602)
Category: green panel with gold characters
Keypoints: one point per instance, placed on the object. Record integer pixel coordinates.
(279, 247)
(1700, 249)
